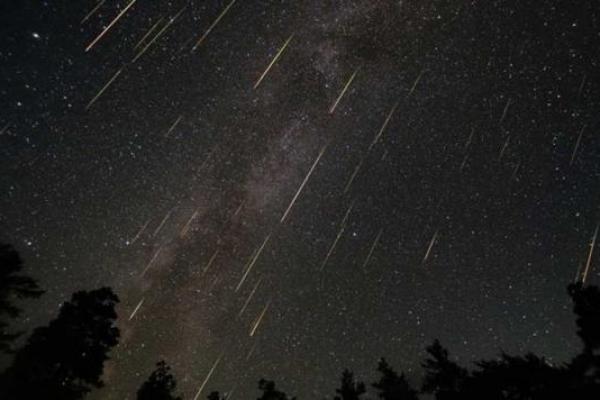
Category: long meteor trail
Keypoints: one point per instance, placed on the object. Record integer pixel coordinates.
(148, 33)
(258, 320)
(373, 246)
(159, 34)
(338, 236)
(588, 263)
(252, 262)
(88, 15)
(135, 310)
(151, 261)
(306, 178)
(385, 124)
(210, 28)
(110, 81)
(277, 56)
(344, 90)
(212, 370)
(250, 297)
(114, 21)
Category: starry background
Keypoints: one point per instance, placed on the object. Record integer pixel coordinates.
(454, 185)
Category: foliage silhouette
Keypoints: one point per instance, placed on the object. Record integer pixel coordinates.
(349, 389)
(443, 377)
(269, 392)
(160, 385)
(215, 396)
(392, 386)
(13, 285)
(64, 360)
(584, 370)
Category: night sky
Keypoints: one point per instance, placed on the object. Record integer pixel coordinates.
(282, 189)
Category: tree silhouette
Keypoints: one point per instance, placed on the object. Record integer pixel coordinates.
(585, 368)
(160, 385)
(64, 360)
(12, 285)
(586, 301)
(215, 396)
(526, 377)
(269, 391)
(392, 386)
(443, 377)
(349, 389)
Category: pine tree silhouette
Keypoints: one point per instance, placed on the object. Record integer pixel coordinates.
(160, 385)
(584, 370)
(349, 389)
(392, 386)
(443, 377)
(270, 392)
(586, 301)
(64, 360)
(13, 285)
(526, 377)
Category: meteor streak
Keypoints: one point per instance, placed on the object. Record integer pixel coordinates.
(372, 249)
(470, 139)
(142, 229)
(577, 145)
(249, 297)
(177, 121)
(346, 86)
(228, 395)
(356, 169)
(114, 21)
(186, 227)
(159, 34)
(589, 258)
(252, 262)
(210, 28)
(385, 124)
(208, 377)
(148, 33)
(93, 11)
(259, 319)
(464, 162)
(337, 238)
(135, 310)
(151, 261)
(237, 210)
(431, 243)
(277, 56)
(162, 222)
(504, 146)
(505, 111)
(306, 178)
(110, 81)
(251, 351)
(209, 263)
(414, 86)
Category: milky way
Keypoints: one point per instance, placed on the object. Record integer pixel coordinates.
(284, 189)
